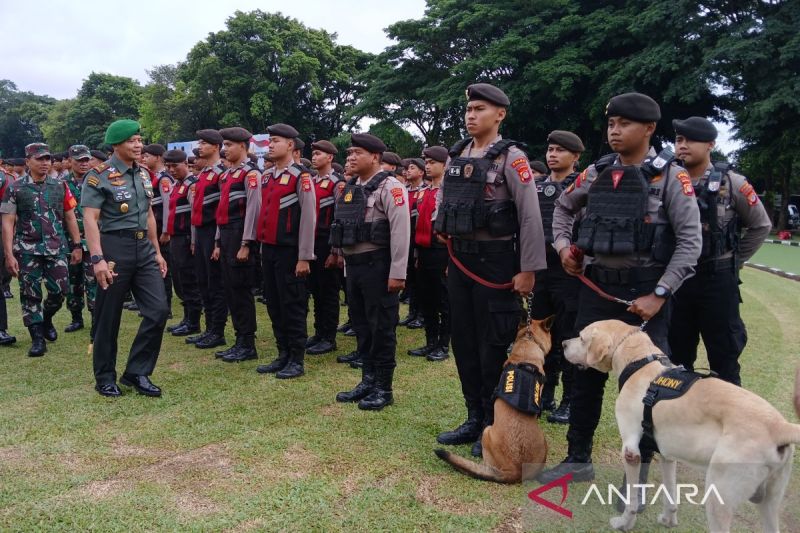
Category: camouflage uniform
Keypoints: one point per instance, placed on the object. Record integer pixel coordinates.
(81, 276)
(39, 243)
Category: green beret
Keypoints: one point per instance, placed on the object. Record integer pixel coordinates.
(437, 153)
(566, 139)
(695, 129)
(324, 146)
(121, 130)
(239, 135)
(488, 92)
(391, 158)
(634, 106)
(368, 142)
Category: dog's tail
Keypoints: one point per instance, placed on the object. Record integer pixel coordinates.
(471, 468)
(788, 433)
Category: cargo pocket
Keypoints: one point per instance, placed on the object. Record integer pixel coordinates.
(504, 320)
(390, 308)
(295, 286)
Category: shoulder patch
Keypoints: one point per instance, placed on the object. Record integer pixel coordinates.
(305, 181)
(686, 183)
(101, 167)
(253, 179)
(397, 194)
(749, 193)
(521, 166)
(165, 184)
(92, 181)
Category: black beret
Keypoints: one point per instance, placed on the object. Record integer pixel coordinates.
(210, 136)
(634, 106)
(175, 156)
(196, 152)
(368, 142)
(391, 158)
(539, 167)
(283, 130)
(298, 143)
(437, 153)
(488, 92)
(239, 135)
(58, 157)
(98, 154)
(222, 153)
(325, 146)
(154, 149)
(337, 167)
(253, 158)
(695, 129)
(17, 161)
(192, 160)
(417, 162)
(566, 139)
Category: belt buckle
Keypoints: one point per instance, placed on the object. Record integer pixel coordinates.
(139, 235)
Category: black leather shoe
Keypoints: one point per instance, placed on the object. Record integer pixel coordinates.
(186, 329)
(275, 366)
(131, 306)
(407, 320)
(242, 354)
(176, 326)
(439, 354)
(560, 415)
(417, 323)
(361, 391)
(344, 327)
(142, 384)
(312, 340)
(349, 332)
(108, 389)
(422, 351)
(323, 346)
(357, 363)
(467, 432)
(381, 394)
(212, 341)
(229, 351)
(352, 356)
(6, 339)
(580, 467)
(293, 369)
(194, 339)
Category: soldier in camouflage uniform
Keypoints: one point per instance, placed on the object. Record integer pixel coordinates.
(36, 209)
(5, 339)
(81, 276)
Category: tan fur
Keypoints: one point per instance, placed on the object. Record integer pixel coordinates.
(742, 441)
(515, 439)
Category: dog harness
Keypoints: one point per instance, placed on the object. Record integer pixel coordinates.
(520, 386)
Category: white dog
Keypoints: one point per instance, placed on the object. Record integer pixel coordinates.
(745, 444)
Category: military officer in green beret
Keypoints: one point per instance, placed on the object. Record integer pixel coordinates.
(121, 233)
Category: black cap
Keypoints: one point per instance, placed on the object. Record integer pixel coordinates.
(175, 156)
(368, 142)
(154, 149)
(98, 154)
(539, 167)
(210, 136)
(634, 106)
(488, 92)
(239, 135)
(325, 146)
(695, 129)
(298, 143)
(391, 158)
(437, 153)
(283, 130)
(337, 167)
(566, 139)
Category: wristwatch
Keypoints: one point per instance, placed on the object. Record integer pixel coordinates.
(662, 292)
(97, 258)
(74, 245)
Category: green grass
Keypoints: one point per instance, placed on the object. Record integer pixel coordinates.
(228, 449)
(786, 258)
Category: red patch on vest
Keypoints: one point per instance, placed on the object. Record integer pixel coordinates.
(521, 166)
(570, 188)
(306, 182)
(749, 193)
(686, 183)
(165, 185)
(252, 180)
(340, 185)
(397, 193)
(616, 177)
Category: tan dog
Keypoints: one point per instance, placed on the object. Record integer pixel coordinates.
(745, 444)
(515, 438)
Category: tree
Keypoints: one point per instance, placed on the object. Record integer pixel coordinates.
(397, 139)
(21, 114)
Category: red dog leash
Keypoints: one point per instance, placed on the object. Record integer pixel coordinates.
(471, 275)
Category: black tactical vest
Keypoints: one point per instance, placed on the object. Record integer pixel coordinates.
(548, 192)
(464, 209)
(520, 386)
(349, 227)
(717, 239)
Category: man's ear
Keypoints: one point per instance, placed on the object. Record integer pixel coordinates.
(598, 348)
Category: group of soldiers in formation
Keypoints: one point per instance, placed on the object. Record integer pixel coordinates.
(464, 234)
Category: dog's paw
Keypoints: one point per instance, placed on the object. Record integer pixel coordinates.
(668, 519)
(622, 523)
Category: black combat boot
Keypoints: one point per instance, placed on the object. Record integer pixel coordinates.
(38, 344)
(76, 324)
(561, 414)
(6, 339)
(362, 390)
(352, 356)
(246, 351)
(294, 368)
(412, 315)
(213, 340)
(422, 351)
(578, 463)
(230, 351)
(548, 395)
(48, 330)
(381, 394)
(465, 433)
(276, 365)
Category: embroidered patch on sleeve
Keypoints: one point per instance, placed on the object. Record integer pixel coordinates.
(252, 179)
(397, 194)
(749, 193)
(69, 200)
(165, 185)
(524, 172)
(686, 183)
(92, 181)
(305, 180)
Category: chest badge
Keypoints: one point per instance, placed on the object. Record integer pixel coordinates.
(616, 177)
(549, 191)
(348, 197)
(123, 207)
(468, 169)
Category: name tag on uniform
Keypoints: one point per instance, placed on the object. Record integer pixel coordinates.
(284, 180)
(325, 184)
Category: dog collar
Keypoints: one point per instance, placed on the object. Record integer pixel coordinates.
(637, 365)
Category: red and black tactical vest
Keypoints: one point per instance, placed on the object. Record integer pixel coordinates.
(180, 210)
(233, 194)
(426, 205)
(326, 200)
(206, 196)
(279, 217)
(159, 195)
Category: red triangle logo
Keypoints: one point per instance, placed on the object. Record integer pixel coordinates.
(616, 177)
(562, 482)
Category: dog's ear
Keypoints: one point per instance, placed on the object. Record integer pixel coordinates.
(547, 323)
(598, 350)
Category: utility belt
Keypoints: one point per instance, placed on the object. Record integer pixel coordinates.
(716, 265)
(366, 258)
(135, 234)
(623, 276)
(467, 246)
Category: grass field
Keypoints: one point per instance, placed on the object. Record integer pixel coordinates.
(228, 449)
(786, 258)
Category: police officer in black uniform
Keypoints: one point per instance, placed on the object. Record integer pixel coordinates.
(153, 155)
(556, 292)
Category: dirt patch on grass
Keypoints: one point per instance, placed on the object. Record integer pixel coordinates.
(194, 504)
(511, 523)
(9, 454)
(104, 488)
(121, 448)
(428, 493)
(253, 524)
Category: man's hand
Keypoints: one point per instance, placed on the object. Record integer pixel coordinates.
(164, 239)
(396, 285)
(243, 254)
(302, 269)
(162, 265)
(12, 265)
(570, 263)
(442, 237)
(76, 256)
(331, 261)
(523, 283)
(646, 306)
(215, 254)
(191, 248)
(104, 276)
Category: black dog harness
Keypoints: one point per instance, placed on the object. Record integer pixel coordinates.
(520, 386)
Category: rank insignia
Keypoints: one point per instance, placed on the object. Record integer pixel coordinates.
(123, 207)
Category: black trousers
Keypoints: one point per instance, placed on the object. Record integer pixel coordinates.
(556, 293)
(209, 280)
(184, 276)
(238, 280)
(411, 282)
(707, 305)
(374, 311)
(588, 386)
(432, 294)
(138, 272)
(324, 285)
(3, 276)
(167, 255)
(287, 297)
(484, 322)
